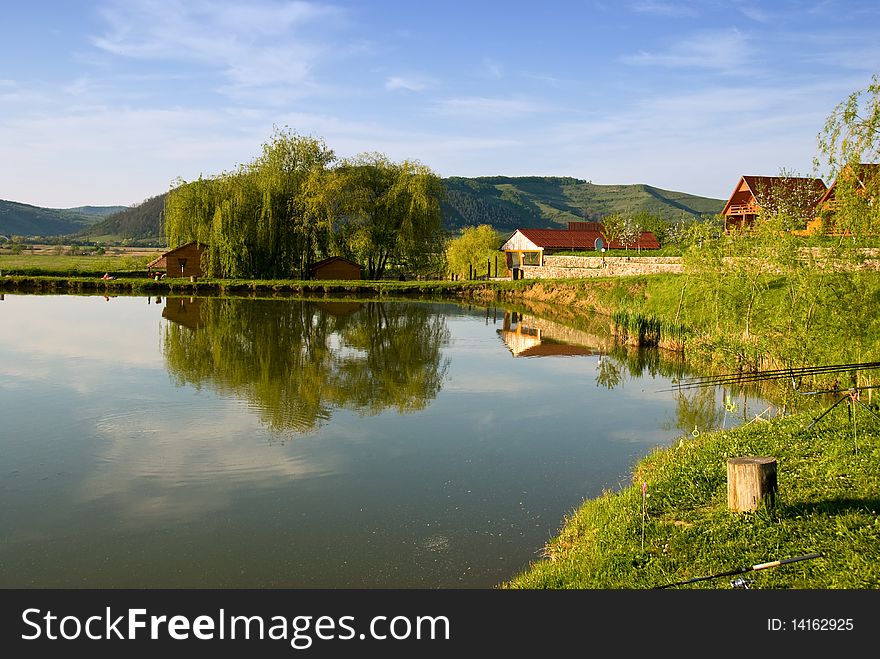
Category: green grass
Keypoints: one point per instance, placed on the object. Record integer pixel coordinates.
(65, 264)
(828, 502)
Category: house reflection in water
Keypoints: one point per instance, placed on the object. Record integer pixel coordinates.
(186, 311)
(530, 341)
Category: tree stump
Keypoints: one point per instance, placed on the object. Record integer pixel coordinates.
(751, 481)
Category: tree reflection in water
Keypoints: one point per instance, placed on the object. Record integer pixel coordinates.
(295, 361)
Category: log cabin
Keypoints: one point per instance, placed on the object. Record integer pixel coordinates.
(753, 194)
(335, 267)
(183, 261)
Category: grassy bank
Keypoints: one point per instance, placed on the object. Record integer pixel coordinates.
(134, 284)
(827, 503)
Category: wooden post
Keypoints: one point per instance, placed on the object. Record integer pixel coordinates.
(750, 482)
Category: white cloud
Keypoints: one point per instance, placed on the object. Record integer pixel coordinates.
(408, 83)
(726, 52)
(258, 44)
(757, 14)
(488, 108)
(492, 68)
(672, 9)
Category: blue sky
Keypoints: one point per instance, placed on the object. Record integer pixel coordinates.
(110, 101)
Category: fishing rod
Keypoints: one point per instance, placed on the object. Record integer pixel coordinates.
(759, 376)
(741, 570)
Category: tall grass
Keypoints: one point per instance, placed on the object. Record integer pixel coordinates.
(635, 328)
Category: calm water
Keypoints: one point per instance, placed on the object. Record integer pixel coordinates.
(180, 442)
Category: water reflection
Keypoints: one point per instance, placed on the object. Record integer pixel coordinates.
(297, 360)
(529, 336)
(696, 410)
(140, 441)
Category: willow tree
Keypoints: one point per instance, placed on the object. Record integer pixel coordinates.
(473, 249)
(851, 134)
(849, 147)
(261, 220)
(391, 212)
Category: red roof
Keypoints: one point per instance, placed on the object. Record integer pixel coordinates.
(583, 240)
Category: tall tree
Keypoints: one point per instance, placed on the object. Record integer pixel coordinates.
(851, 134)
(391, 212)
(263, 220)
(849, 139)
(473, 249)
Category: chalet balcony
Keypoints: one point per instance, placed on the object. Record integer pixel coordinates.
(743, 209)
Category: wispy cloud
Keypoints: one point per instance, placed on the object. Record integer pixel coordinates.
(726, 52)
(408, 83)
(492, 69)
(671, 9)
(255, 44)
(758, 14)
(488, 108)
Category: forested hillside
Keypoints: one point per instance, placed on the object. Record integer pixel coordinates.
(505, 203)
(509, 203)
(17, 219)
(141, 221)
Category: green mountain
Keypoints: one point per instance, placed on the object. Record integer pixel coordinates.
(509, 203)
(17, 219)
(136, 222)
(506, 203)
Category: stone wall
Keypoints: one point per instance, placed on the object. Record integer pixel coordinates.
(578, 267)
(581, 267)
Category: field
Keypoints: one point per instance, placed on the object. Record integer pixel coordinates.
(59, 259)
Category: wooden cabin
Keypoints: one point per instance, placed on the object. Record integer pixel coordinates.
(861, 175)
(183, 261)
(529, 246)
(754, 193)
(335, 267)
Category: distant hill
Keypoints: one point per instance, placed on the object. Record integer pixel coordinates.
(506, 203)
(137, 222)
(17, 219)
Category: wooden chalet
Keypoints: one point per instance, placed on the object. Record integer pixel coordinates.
(335, 267)
(529, 246)
(183, 261)
(752, 193)
(861, 176)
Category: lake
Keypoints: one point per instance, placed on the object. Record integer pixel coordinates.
(285, 443)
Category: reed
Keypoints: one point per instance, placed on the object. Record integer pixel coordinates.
(634, 328)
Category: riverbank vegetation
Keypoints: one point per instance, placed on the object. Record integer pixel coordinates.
(681, 528)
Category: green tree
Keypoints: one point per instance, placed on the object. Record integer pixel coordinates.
(391, 212)
(849, 139)
(473, 249)
(613, 224)
(851, 134)
(263, 220)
